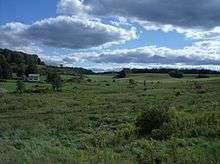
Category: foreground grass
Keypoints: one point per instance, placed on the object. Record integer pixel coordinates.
(93, 122)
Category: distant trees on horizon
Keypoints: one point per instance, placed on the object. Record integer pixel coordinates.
(23, 64)
(17, 62)
(167, 70)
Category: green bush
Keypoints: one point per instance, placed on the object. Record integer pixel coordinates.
(178, 93)
(131, 83)
(121, 74)
(152, 119)
(199, 88)
(89, 80)
(164, 132)
(158, 123)
(202, 76)
(55, 80)
(20, 86)
(176, 74)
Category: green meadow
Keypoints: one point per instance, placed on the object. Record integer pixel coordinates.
(95, 121)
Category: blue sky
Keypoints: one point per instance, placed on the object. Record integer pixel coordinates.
(101, 36)
(26, 11)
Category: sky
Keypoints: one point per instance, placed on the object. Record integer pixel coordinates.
(111, 34)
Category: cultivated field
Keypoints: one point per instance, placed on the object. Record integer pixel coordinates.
(94, 121)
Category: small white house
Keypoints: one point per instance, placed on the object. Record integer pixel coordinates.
(32, 77)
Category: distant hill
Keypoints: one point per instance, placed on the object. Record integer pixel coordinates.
(22, 63)
(18, 62)
(17, 57)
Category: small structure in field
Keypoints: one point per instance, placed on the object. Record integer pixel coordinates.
(32, 78)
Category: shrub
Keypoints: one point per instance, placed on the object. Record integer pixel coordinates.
(121, 74)
(177, 93)
(131, 83)
(20, 86)
(158, 123)
(55, 80)
(152, 119)
(202, 76)
(176, 74)
(200, 89)
(89, 80)
(164, 132)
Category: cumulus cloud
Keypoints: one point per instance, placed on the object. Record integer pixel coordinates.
(64, 32)
(200, 53)
(197, 20)
(72, 7)
(187, 13)
(191, 33)
(10, 35)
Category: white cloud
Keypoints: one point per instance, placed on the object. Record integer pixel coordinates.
(182, 13)
(72, 7)
(199, 54)
(9, 35)
(64, 32)
(196, 20)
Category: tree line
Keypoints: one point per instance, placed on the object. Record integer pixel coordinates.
(17, 62)
(70, 70)
(168, 70)
(162, 71)
(24, 64)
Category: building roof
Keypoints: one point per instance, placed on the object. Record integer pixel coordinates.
(34, 75)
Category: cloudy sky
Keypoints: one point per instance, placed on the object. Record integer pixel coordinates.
(112, 34)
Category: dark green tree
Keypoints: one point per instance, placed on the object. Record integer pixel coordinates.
(19, 58)
(31, 69)
(2, 59)
(6, 71)
(55, 80)
(20, 70)
(121, 74)
(20, 86)
(1, 71)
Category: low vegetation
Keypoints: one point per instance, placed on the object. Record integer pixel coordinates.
(141, 118)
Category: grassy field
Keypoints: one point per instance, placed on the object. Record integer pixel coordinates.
(94, 122)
